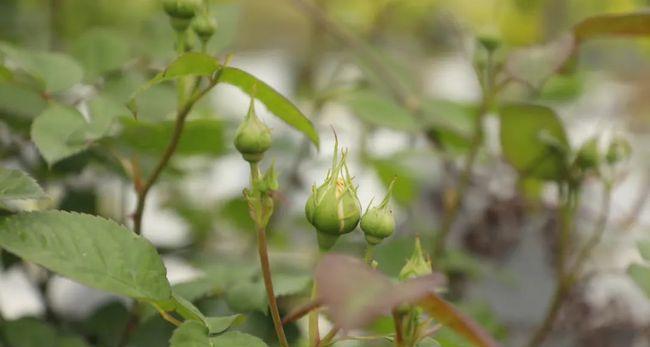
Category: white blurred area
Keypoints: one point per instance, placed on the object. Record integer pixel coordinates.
(452, 78)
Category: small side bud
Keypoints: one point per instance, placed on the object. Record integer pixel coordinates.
(253, 137)
(619, 150)
(588, 156)
(204, 26)
(378, 222)
(418, 265)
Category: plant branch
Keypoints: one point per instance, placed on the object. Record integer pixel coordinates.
(569, 277)
(453, 209)
(301, 312)
(327, 340)
(144, 188)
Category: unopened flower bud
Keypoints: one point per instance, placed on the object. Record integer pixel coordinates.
(619, 149)
(204, 26)
(180, 12)
(334, 208)
(588, 156)
(378, 222)
(418, 265)
(253, 137)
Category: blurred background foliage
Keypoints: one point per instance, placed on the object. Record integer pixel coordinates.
(500, 258)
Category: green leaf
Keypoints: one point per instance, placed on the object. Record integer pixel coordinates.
(534, 141)
(188, 64)
(190, 334)
(644, 249)
(57, 71)
(628, 24)
(61, 131)
(53, 128)
(196, 288)
(247, 296)
(19, 101)
(406, 186)
(193, 334)
(290, 284)
(200, 136)
(427, 342)
(187, 310)
(236, 338)
(641, 276)
(106, 324)
(154, 331)
(100, 51)
(275, 102)
(91, 250)
(16, 185)
(103, 113)
(217, 325)
(451, 116)
(29, 332)
(380, 110)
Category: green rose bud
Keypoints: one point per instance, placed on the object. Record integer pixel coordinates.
(588, 157)
(418, 265)
(180, 8)
(180, 12)
(334, 208)
(204, 26)
(619, 149)
(378, 222)
(253, 137)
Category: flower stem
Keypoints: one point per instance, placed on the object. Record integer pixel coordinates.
(369, 254)
(314, 331)
(268, 284)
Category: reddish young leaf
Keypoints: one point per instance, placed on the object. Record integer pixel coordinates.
(534, 65)
(448, 315)
(630, 24)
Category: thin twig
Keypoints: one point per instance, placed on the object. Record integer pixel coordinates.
(569, 277)
(327, 340)
(451, 213)
(301, 312)
(145, 187)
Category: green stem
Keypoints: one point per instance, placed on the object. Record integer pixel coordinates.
(490, 91)
(143, 191)
(314, 330)
(268, 284)
(369, 254)
(180, 50)
(327, 340)
(262, 248)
